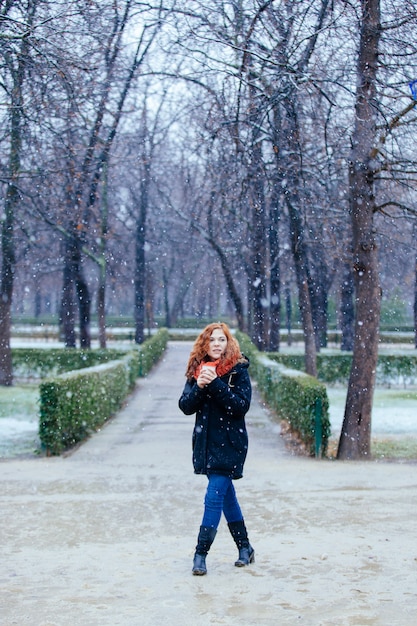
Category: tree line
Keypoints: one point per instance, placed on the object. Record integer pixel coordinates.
(173, 158)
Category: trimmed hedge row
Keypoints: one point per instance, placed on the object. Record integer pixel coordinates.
(151, 351)
(294, 396)
(75, 404)
(335, 367)
(43, 362)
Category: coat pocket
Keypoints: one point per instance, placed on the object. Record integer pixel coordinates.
(238, 439)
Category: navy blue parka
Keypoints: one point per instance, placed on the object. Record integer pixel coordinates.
(220, 438)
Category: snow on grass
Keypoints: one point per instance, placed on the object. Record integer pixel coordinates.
(19, 420)
(394, 411)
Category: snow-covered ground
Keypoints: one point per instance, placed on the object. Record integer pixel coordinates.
(105, 536)
(18, 436)
(394, 414)
(394, 411)
(390, 417)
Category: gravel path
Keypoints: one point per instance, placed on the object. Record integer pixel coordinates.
(105, 536)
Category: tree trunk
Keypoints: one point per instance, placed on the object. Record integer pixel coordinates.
(67, 312)
(290, 171)
(74, 284)
(6, 368)
(310, 355)
(89, 177)
(139, 303)
(228, 271)
(101, 309)
(231, 288)
(149, 299)
(257, 235)
(172, 315)
(318, 295)
(11, 201)
(300, 259)
(84, 306)
(415, 304)
(347, 311)
(38, 299)
(166, 298)
(7, 272)
(258, 269)
(275, 279)
(101, 292)
(288, 314)
(355, 438)
(140, 261)
(274, 247)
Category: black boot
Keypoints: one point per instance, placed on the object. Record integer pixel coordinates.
(240, 536)
(205, 539)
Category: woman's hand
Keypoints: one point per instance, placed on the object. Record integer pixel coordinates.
(207, 375)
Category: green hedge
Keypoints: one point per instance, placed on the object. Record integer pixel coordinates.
(294, 396)
(75, 404)
(331, 368)
(396, 367)
(47, 362)
(151, 351)
(335, 367)
(43, 362)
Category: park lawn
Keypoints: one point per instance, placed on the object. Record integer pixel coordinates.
(19, 400)
(19, 419)
(394, 422)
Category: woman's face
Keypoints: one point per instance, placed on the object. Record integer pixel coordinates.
(217, 344)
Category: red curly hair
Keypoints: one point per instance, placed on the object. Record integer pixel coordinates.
(199, 354)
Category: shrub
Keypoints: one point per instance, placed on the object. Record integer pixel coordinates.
(395, 367)
(75, 404)
(151, 351)
(331, 368)
(294, 396)
(43, 362)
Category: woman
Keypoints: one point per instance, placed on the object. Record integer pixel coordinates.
(218, 390)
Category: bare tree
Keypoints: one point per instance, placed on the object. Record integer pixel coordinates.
(355, 438)
(251, 175)
(113, 94)
(16, 46)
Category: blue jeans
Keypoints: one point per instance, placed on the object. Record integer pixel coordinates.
(220, 497)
